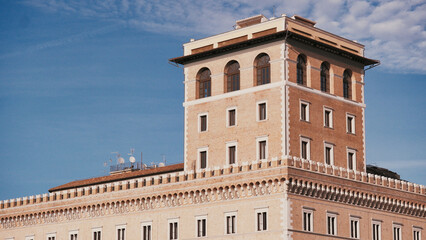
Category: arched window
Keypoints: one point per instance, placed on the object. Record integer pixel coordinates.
(204, 83)
(263, 69)
(347, 90)
(325, 77)
(301, 69)
(232, 76)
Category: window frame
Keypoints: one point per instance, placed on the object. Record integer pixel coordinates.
(353, 152)
(311, 219)
(325, 77)
(419, 230)
(330, 120)
(331, 230)
(51, 235)
(331, 146)
(397, 235)
(301, 78)
(379, 233)
(228, 119)
(347, 84)
(355, 234)
(200, 82)
(229, 77)
(120, 227)
(258, 115)
(257, 67)
(197, 230)
(72, 234)
(307, 110)
(264, 227)
(234, 226)
(228, 145)
(173, 220)
(146, 224)
(352, 123)
(28, 237)
(258, 140)
(308, 147)
(199, 150)
(97, 230)
(200, 115)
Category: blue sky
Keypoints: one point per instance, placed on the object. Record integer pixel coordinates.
(81, 80)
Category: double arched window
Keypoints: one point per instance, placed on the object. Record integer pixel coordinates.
(325, 77)
(301, 69)
(232, 76)
(204, 83)
(263, 69)
(347, 90)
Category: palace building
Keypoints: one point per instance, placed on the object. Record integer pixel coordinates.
(274, 148)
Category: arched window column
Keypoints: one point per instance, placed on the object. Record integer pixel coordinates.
(262, 69)
(203, 87)
(232, 76)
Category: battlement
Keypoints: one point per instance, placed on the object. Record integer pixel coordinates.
(243, 167)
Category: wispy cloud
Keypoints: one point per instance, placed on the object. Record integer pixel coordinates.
(406, 164)
(393, 31)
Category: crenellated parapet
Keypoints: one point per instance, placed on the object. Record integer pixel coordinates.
(244, 180)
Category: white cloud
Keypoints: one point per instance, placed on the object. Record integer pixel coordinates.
(393, 31)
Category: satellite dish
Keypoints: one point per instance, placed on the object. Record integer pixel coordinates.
(161, 164)
(144, 166)
(121, 160)
(132, 159)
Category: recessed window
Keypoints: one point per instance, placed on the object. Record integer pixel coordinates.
(328, 153)
(146, 230)
(121, 232)
(202, 158)
(173, 229)
(351, 159)
(261, 220)
(51, 236)
(73, 235)
(202, 122)
(308, 216)
(417, 233)
(376, 230)
(96, 233)
(304, 111)
(261, 111)
(354, 221)
(263, 69)
(397, 231)
(231, 117)
(231, 152)
(231, 223)
(305, 149)
(262, 148)
(331, 224)
(350, 123)
(204, 83)
(28, 237)
(347, 89)
(325, 77)
(201, 226)
(232, 76)
(328, 118)
(301, 70)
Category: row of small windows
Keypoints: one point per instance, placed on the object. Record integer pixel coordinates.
(354, 225)
(230, 227)
(263, 76)
(232, 76)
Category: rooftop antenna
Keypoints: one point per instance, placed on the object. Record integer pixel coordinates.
(274, 8)
(164, 158)
(141, 160)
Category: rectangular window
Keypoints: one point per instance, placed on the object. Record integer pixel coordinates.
(261, 220)
(308, 215)
(304, 111)
(376, 230)
(351, 159)
(51, 236)
(232, 154)
(331, 224)
(146, 230)
(231, 117)
(121, 232)
(350, 123)
(201, 227)
(230, 223)
(354, 221)
(328, 153)
(202, 122)
(203, 159)
(328, 118)
(97, 235)
(73, 235)
(262, 112)
(28, 237)
(305, 152)
(417, 233)
(262, 148)
(396, 231)
(173, 229)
